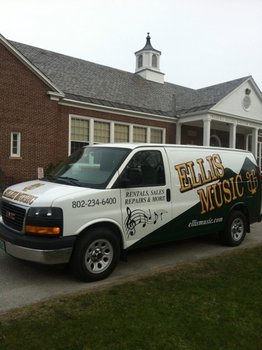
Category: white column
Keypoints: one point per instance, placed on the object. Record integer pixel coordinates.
(247, 141)
(206, 132)
(232, 135)
(254, 141)
(178, 133)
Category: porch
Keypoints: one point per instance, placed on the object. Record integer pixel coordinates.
(221, 131)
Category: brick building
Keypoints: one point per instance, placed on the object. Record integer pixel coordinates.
(51, 104)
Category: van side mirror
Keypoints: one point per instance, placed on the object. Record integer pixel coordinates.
(131, 177)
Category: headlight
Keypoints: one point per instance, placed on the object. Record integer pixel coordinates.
(44, 221)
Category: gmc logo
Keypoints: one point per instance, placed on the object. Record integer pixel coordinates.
(10, 215)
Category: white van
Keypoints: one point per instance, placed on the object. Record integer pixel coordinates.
(106, 199)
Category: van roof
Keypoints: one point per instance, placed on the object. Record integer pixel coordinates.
(139, 145)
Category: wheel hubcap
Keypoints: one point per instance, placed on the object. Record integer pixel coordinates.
(237, 229)
(99, 256)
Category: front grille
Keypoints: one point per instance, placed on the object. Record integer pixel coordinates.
(13, 216)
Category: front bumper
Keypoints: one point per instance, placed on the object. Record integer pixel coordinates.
(44, 250)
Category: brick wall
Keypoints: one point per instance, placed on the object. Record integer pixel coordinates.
(25, 107)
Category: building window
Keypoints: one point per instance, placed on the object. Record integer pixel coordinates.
(101, 132)
(79, 133)
(140, 61)
(139, 134)
(121, 133)
(15, 150)
(85, 131)
(156, 136)
(154, 61)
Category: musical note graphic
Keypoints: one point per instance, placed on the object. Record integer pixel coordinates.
(139, 216)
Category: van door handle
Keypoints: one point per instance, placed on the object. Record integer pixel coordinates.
(168, 195)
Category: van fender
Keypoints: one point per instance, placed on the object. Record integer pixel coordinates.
(242, 206)
(115, 226)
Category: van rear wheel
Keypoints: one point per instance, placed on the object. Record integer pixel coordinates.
(95, 255)
(235, 230)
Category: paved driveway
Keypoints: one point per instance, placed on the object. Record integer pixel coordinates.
(23, 283)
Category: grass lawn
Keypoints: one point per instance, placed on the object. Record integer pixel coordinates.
(212, 304)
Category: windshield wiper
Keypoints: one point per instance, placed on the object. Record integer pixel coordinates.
(50, 178)
(67, 179)
(62, 179)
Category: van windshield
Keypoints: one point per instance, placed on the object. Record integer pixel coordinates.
(89, 167)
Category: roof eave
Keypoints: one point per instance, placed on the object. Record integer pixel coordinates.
(192, 114)
(116, 110)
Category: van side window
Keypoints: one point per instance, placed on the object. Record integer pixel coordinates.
(150, 165)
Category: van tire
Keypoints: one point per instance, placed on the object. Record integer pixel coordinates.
(96, 254)
(235, 230)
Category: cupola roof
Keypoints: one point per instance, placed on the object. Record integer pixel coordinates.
(148, 46)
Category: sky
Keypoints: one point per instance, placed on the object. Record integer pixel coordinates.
(203, 42)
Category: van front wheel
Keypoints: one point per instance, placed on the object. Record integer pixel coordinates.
(235, 230)
(95, 255)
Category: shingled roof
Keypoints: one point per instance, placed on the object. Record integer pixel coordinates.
(90, 82)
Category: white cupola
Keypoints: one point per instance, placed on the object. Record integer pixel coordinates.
(148, 63)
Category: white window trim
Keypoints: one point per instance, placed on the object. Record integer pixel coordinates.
(163, 133)
(91, 137)
(112, 126)
(123, 124)
(148, 134)
(112, 132)
(146, 131)
(18, 153)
